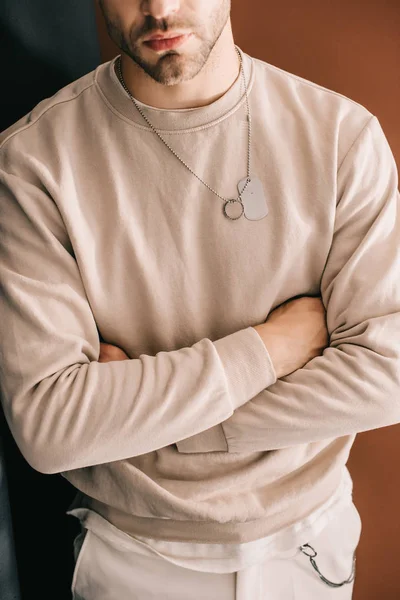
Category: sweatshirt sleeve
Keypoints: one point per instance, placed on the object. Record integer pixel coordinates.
(64, 408)
(355, 385)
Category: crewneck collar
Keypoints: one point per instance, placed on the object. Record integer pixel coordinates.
(182, 119)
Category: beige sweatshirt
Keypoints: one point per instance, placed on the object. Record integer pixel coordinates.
(106, 236)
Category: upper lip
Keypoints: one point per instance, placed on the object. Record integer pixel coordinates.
(164, 36)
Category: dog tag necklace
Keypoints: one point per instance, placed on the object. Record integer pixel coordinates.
(251, 201)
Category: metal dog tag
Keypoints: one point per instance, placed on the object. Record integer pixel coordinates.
(253, 198)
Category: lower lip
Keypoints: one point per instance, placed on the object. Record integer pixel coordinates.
(167, 44)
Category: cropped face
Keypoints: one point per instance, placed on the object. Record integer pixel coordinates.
(197, 23)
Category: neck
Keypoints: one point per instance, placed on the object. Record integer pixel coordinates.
(218, 74)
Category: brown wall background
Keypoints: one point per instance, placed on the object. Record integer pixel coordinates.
(352, 47)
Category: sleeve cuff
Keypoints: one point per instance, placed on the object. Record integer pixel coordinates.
(249, 370)
(247, 364)
(210, 440)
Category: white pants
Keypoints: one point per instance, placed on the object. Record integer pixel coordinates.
(106, 572)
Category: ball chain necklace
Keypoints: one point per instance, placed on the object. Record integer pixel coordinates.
(251, 201)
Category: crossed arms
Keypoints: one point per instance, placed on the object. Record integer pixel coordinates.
(67, 410)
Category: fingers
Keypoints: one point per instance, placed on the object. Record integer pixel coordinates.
(108, 352)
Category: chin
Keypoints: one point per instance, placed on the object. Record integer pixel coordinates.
(178, 70)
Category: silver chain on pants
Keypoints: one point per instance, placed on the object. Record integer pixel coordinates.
(315, 566)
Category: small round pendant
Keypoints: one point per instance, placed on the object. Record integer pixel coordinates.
(233, 209)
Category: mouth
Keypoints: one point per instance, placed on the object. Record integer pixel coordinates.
(159, 44)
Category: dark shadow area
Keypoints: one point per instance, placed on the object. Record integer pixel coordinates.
(45, 45)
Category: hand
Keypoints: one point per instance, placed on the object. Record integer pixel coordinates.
(294, 333)
(109, 352)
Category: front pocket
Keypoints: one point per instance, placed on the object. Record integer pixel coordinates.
(80, 545)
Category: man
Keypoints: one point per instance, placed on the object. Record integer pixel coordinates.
(169, 222)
